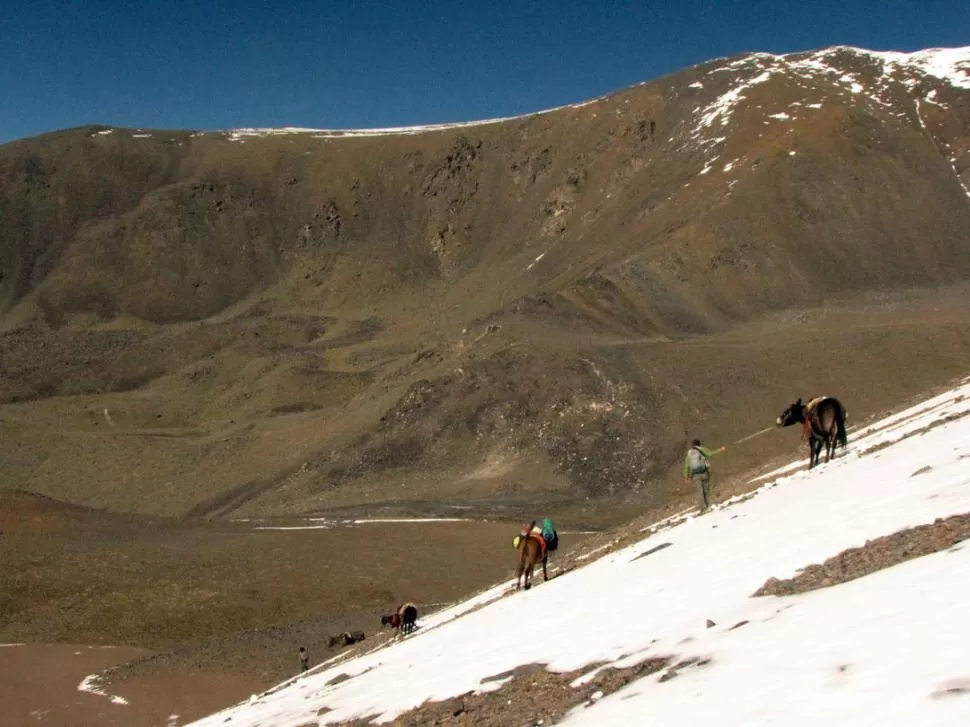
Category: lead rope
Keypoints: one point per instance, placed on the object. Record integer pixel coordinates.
(756, 434)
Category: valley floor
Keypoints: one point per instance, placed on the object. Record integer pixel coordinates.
(41, 685)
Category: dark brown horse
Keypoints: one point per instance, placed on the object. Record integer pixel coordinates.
(823, 422)
(532, 550)
(403, 618)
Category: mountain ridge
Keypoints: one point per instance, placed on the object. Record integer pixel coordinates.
(503, 310)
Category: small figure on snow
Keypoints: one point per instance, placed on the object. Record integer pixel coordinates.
(698, 468)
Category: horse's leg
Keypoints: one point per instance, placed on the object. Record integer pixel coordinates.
(836, 433)
(521, 569)
(532, 562)
(545, 576)
(826, 421)
(831, 424)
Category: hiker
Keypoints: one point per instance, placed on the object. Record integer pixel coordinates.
(304, 659)
(698, 468)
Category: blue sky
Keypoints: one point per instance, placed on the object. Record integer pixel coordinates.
(214, 64)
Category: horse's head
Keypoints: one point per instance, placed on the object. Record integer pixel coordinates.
(792, 415)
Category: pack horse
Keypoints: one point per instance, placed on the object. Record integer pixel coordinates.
(534, 544)
(403, 619)
(823, 422)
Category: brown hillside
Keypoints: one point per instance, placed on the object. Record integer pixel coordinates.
(539, 310)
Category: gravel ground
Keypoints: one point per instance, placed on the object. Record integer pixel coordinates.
(875, 555)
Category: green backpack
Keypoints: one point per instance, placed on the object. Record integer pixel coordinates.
(550, 535)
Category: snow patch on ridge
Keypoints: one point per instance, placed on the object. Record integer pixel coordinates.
(239, 134)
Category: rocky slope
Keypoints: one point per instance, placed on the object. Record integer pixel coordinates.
(538, 309)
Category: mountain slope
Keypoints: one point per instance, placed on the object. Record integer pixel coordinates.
(285, 320)
(696, 618)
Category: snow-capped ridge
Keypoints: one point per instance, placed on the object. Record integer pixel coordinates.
(237, 134)
(874, 78)
(949, 65)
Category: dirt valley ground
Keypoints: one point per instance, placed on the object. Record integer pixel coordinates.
(225, 355)
(218, 610)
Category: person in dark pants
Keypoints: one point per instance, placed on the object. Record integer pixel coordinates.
(698, 468)
(304, 659)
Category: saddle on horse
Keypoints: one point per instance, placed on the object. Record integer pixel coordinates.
(810, 407)
(532, 531)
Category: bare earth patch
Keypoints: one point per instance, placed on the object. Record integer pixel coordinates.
(532, 696)
(875, 555)
(39, 685)
(951, 688)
